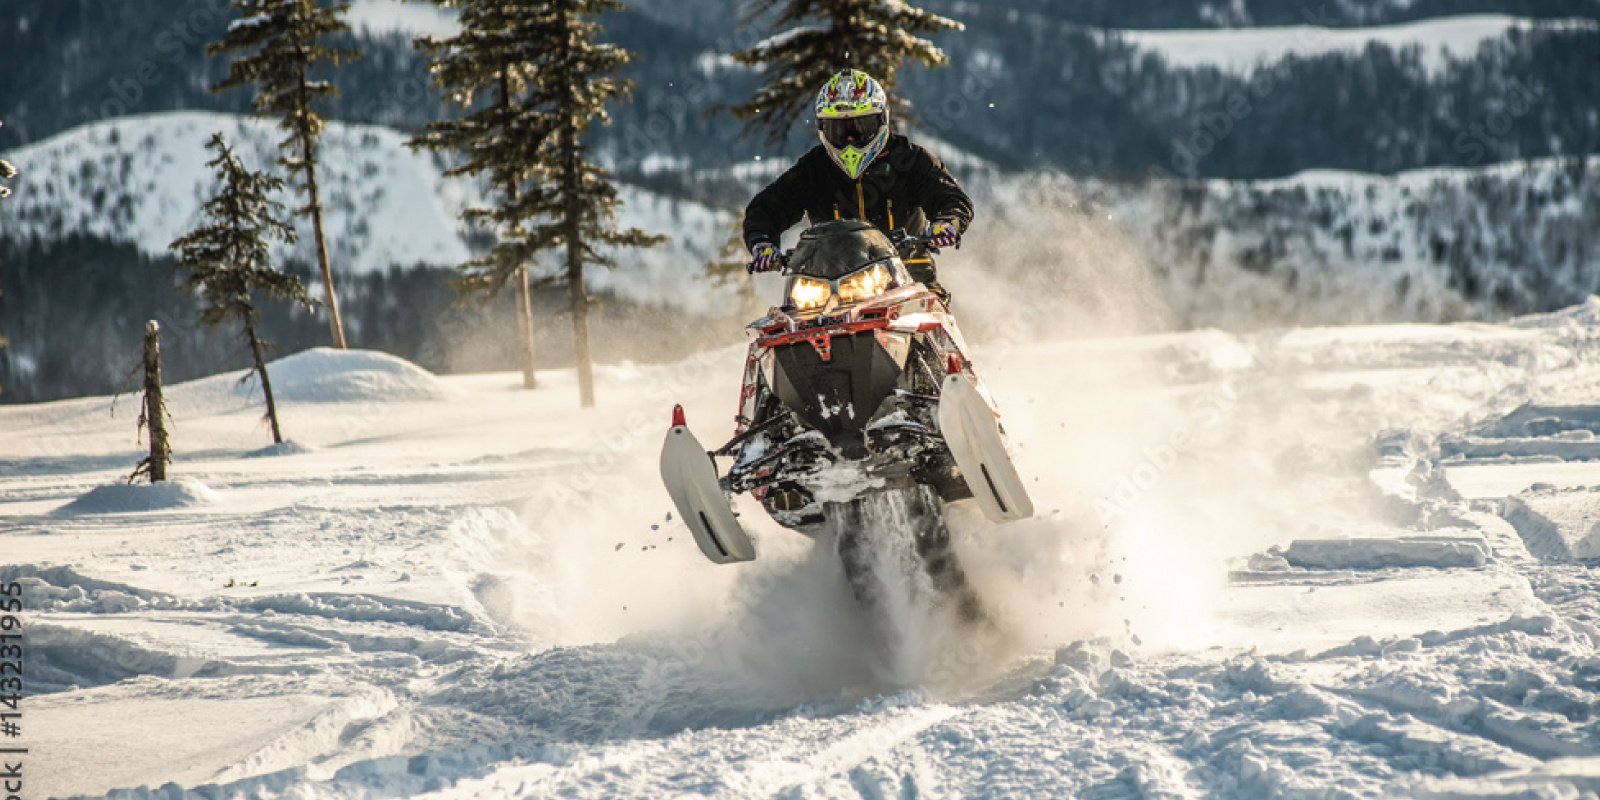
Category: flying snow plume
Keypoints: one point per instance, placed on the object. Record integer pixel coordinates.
(1153, 462)
(1044, 264)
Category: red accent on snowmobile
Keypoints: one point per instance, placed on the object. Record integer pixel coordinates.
(677, 417)
(813, 334)
(953, 367)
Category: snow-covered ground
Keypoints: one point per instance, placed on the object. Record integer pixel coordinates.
(1242, 50)
(1334, 562)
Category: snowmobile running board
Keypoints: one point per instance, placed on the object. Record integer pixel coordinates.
(691, 480)
(970, 431)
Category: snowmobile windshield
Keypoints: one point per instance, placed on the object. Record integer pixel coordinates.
(832, 250)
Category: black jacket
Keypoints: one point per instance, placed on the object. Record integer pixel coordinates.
(905, 187)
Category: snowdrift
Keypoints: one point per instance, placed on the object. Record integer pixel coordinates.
(135, 497)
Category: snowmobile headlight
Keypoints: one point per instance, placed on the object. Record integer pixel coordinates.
(866, 284)
(809, 294)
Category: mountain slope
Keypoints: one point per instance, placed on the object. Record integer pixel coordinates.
(1315, 247)
(141, 180)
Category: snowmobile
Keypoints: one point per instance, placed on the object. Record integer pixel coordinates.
(859, 403)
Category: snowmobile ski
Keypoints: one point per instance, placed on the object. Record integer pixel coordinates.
(691, 480)
(970, 431)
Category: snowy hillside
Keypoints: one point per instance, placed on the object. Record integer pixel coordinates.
(1319, 247)
(142, 179)
(1244, 49)
(409, 18)
(1350, 562)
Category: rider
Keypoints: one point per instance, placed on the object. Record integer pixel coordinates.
(860, 171)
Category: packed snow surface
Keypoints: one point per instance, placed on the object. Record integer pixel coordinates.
(1263, 565)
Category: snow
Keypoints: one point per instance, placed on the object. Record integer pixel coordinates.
(409, 18)
(1242, 50)
(449, 586)
(128, 498)
(1339, 247)
(142, 180)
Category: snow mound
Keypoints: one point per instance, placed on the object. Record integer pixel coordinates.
(1442, 552)
(1533, 420)
(1569, 433)
(126, 498)
(325, 375)
(65, 658)
(64, 589)
(1557, 524)
(365, 608)
(288, 448)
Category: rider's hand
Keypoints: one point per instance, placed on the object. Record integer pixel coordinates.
(944, 233)
(764, 257)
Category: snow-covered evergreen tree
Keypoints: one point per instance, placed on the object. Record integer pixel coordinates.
(812, 39)
(533, 77)
(279, 44)
(227, 259)
(483, 70)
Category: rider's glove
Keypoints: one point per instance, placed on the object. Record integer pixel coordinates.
(764, 257)
(944, 233)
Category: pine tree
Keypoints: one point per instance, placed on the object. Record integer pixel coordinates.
(816, 38)
(483, 70)
(548, 80)
(227, 259)
(280, 46)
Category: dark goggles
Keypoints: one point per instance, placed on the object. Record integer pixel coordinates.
(851, 130)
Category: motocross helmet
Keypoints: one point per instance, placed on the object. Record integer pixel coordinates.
(853, 120)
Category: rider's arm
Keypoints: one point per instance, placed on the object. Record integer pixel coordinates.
(938, 193)
(776, 208)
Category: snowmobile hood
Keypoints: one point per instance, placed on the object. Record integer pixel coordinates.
(835, 249)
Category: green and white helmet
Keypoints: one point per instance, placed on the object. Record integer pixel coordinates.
(853, 120)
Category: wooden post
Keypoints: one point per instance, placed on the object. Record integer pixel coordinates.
(154, 417)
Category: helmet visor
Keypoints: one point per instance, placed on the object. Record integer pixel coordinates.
(856, 131)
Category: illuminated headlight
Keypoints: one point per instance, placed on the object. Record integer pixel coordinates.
(810, 294)
(866, 284)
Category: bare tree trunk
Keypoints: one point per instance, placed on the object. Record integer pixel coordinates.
(331, 297)
(572, 184)
(155, 409)
(525, 327)
(524, 290)
(261, 370)
(578, 295)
